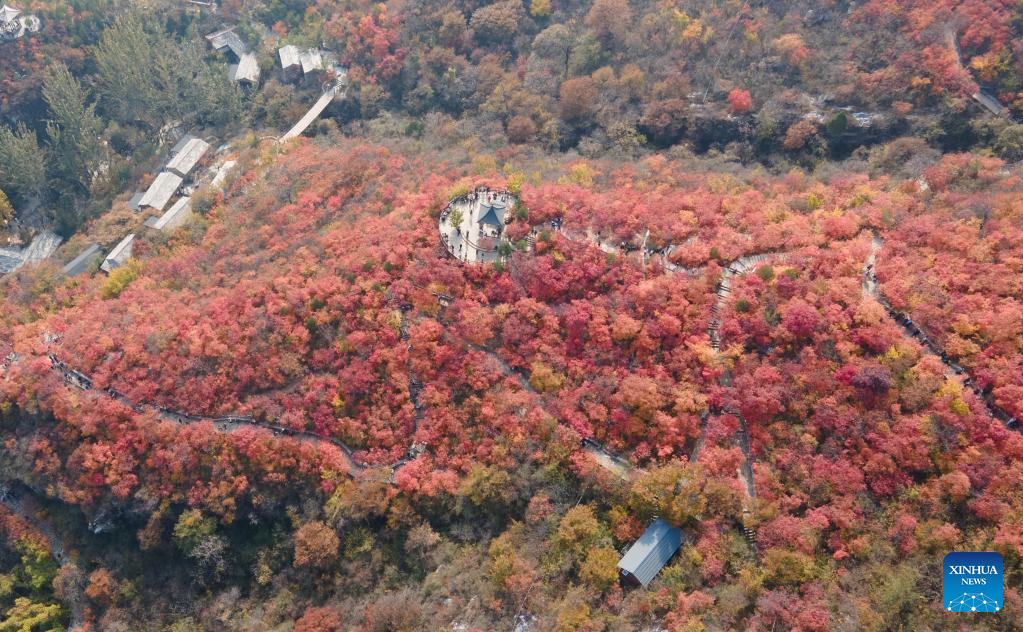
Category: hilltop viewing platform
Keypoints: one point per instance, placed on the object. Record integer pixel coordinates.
(472, 226)
(14, 24)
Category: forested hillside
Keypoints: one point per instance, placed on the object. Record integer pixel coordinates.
(761, 278)
(784, 83)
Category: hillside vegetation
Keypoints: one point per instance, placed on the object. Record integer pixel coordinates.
(763, 279)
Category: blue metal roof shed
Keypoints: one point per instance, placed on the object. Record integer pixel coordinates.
(648, 555)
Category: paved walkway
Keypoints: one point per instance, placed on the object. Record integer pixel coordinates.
(230, 423)
(316, 110)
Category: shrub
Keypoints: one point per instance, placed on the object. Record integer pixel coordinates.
(787, 568)
(203, 200)
(316, 545)
(101, 586)
(600, 570)
(766, 273)
(578, 99)
(740, 101)
(319, 620)
(798, 135)
(121, 278)
(521, 129)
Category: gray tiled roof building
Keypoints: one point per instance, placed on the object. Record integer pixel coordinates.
(81, 263)
(161, 191)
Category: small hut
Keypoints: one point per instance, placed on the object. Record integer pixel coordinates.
(119, 255)
(649, 554)
(188, 156)
(246, 70)
(228, 42)
(291, 62)
(175, 216)
(491, 221)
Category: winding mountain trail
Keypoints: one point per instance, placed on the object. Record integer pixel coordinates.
(613, 463)
(740, 266)
(870, 286)
(743, 265)
(506, 369)
(226, 424)
(723, 290)
(617, 466)
(231, 423)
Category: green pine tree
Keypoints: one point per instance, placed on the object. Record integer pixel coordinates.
(73, 129)
(22, 164)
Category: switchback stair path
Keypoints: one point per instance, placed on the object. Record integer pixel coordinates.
(743, 265)
(230, 423)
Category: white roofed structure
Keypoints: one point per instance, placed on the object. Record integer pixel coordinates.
(184, 140)
(119, 255)
(175, 216)
(188, 157)
(221, 177)
(227, 40)
(161, 191)
(991, 104)
(312, 61)
(291, 61)
(246, 70)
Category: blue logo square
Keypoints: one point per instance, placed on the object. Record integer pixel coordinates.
(972, 582)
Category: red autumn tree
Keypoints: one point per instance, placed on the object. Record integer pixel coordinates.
(740, 101)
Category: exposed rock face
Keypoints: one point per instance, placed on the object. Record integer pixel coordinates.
(865, 129)
(42, 247)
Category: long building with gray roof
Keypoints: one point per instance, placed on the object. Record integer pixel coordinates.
(161, 191)
(185, 159)
(82, 263)
(175, 216)
(119, 255)
(649, 554)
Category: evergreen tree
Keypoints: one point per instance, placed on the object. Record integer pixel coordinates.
(74, 129)
(209, 97)
(129, 75)
(146, 77)
(22, 163)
